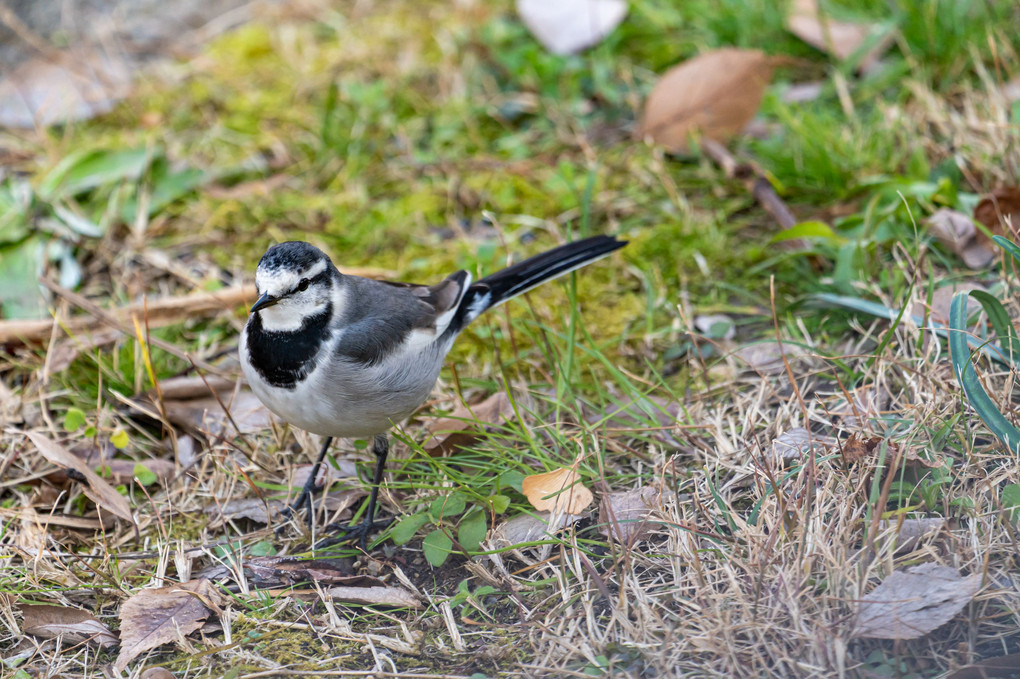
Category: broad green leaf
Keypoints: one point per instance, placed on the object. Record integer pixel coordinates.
(499, 503)
(262, 548)
(511, 479)
(472, 530)
(143, 475)
(119, 440)
(164, 188)
(79, 172)
(446, 506)
(811, 229)
(73, 419)
(407, 527)
(20, 267)
(437, 546)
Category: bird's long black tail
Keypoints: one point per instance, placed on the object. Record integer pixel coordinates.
(519, 278)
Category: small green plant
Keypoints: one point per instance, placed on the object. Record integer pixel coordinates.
(446, 513)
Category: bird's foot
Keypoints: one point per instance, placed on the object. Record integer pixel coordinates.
(345, 533)
(304, 500)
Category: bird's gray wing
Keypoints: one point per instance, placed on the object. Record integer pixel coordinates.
(379, 316)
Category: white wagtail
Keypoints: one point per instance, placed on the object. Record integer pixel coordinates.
(345, 356)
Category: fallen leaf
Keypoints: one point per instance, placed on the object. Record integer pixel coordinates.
(153, 617)
(529, 528)
(868, 402)
(256, 509)
(840, 39)
(909, 532)
(282, 571)
(97, 490)
(157, 673)
(74, 625)
(460, 427)
(915, 601)
(794, 443)
(125, 471)
(999, 209)
(1001, 667)
(767, 357)
(206, 415)
(942, 298)
(639, 415)
(569, 26)
(716, 93)
(857, 447)
(558, 491)
(376, 596)
(626, 515)
(957, 233)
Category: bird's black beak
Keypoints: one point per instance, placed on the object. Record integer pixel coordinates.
(262, 302)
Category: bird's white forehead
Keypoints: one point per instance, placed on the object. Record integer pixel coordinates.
(280, 280)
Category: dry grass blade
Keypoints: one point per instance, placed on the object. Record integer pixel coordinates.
(376, 596)
(98, 490)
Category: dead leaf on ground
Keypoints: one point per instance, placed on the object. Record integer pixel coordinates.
(716, 93)
(157, 673)
(958, 234)
(840, 39)
(767, 357)
(206, 415)
(635, 414)
(626, 516)
(942, 298)
(282, 571)
(1004, 666)
(97, 490)
(154, 617)
(375, 596)
(259, 510)
(558, 491)
(72, 624)
(569, 26)
(460, 427)
(909, 532)
(858, 447)
(999, 209)
(793, 444)
(914, 601)
(529, 528)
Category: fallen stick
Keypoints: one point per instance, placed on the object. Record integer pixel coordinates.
(756, 183)
(154, 313)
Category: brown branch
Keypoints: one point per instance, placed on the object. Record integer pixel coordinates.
(757, 184)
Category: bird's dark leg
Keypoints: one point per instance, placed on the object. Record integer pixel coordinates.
(361, 531)
(305, 498)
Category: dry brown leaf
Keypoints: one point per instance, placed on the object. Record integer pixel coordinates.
(999, 208)
(1004, 667)
(97, 490)
(635, 414)
(767, 357)
(868, 402)
(157, 673)
(626, 515)
(281, 571)
(376, 596)
(256, 509)
(460, 428)
(558, 491)
(957, 233)
(909, 532)
(73, 624)
(857, 447)
(915, 601)
(154, 617)
(529, 528)
(716, 93)
(840, 39)
(941, 300)
(206, 416)
(797, 442)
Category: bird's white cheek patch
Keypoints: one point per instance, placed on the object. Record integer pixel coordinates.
(290, 314)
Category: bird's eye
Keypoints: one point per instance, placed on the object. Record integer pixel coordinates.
(303, 285)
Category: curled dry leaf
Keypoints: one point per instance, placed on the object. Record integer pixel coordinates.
(558, 491)
(153, 617)
(858, 447)
(461, 427)
(909, 532)
(376, 596)
(795, 443)
(915, 601)
(74, 625)
(626, 515)
(206, 415)
(569, 26)
(942, 299)
(957, 233)
(97, 490)
(716, 93)
(840, 39)
(529, 528)
(282, 571)
(766, 357)
(999, 209)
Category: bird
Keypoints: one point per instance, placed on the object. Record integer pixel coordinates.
(343, 356)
